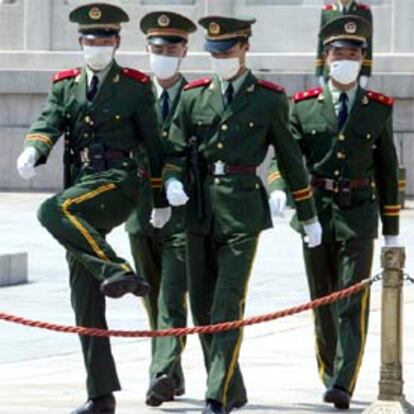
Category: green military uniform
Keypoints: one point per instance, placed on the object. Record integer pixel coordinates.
(354, 175)
(101, 136)
(228, 206)
(333, 11)
(159, 254)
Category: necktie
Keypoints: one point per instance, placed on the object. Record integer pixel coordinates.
(228, 95)
(93, 88)
(165, 105)
(343, 110)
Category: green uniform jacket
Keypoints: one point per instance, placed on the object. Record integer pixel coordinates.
(121, 116)
(241, 135)
(332, 11)
(139, 223)
(364, 148)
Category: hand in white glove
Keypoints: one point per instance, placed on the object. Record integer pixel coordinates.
(176, 195)
(363, 81)
(392, 241)
(160, 217)
(277, 203)
(26, 163)
(313, 233)
(321, 80)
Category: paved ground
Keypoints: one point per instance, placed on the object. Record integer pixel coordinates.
(41, 372)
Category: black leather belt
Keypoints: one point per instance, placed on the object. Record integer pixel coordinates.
(220, 168)
(340, 184)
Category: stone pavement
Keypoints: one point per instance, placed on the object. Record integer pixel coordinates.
(41, 372)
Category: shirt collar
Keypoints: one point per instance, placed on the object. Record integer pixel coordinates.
(335, 93)
(101, 74)
(172, 91)
(237, 83)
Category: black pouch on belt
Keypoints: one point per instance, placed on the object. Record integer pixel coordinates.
(97, 157)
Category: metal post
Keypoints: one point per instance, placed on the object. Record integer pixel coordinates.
(391, 399)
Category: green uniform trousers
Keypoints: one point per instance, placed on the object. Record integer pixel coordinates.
(219, 270)
(341, 327)
(160, 259)
(79, 218)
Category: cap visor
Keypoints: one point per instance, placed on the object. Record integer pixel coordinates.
(164, 40)
(347, 43)
(219, 45)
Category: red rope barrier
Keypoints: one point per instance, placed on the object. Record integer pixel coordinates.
(220, 327)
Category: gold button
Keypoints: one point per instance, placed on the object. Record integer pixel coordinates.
(368, 136)
(313, 131)
(86, 135)
(224, 127)
(341, 137)
(199, 123)
(117, 116)
(67, 115)
(257, 186)
(217, 181)
(340, 155)
(374, 147)
(87, 119)
(91, 123)
(125, 164)
(164, 133)
(337, 172)
(251, 124)
(220, 145)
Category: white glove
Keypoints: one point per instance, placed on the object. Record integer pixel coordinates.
(313, 233)
(160, 217)
(277, 203)
(363, 81)
(26, 163)
(321, 80)
(392, 241)
(176, 195)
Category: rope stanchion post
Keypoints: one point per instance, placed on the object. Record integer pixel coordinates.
(391, 399)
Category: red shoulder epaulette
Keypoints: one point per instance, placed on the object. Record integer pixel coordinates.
(328, 7)
(66, 74)
(379, 97)
(198, 82)
(363, 6)
(311, 93)
(270, 85)
(136, 75)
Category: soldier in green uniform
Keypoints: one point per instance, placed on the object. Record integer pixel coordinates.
(220, 133)
(345, 133)
(106, 113)
(159, 254)
(332, 11)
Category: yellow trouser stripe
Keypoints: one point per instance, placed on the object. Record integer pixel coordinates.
(364, 303)
(236, 349)
(85, 233)
(321, 369)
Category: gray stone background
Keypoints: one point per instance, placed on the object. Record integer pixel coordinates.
(36, 39)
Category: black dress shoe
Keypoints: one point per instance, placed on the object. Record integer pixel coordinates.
(179, 391)
(236, 404)
(339, 397)
(99, 405)
(213, 407)
(118, 285)
(161, 390)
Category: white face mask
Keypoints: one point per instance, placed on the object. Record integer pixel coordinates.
(345, 71)
(164, 67)
(225, 68)
(98, 57)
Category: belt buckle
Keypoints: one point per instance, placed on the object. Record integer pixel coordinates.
(219, 168)
(331, 185)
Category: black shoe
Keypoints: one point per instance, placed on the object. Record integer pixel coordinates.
(179, 391)
(99, 405)
(236, 404)
(339, 397)
(213, 407)
(161, 390)
(118, 285)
